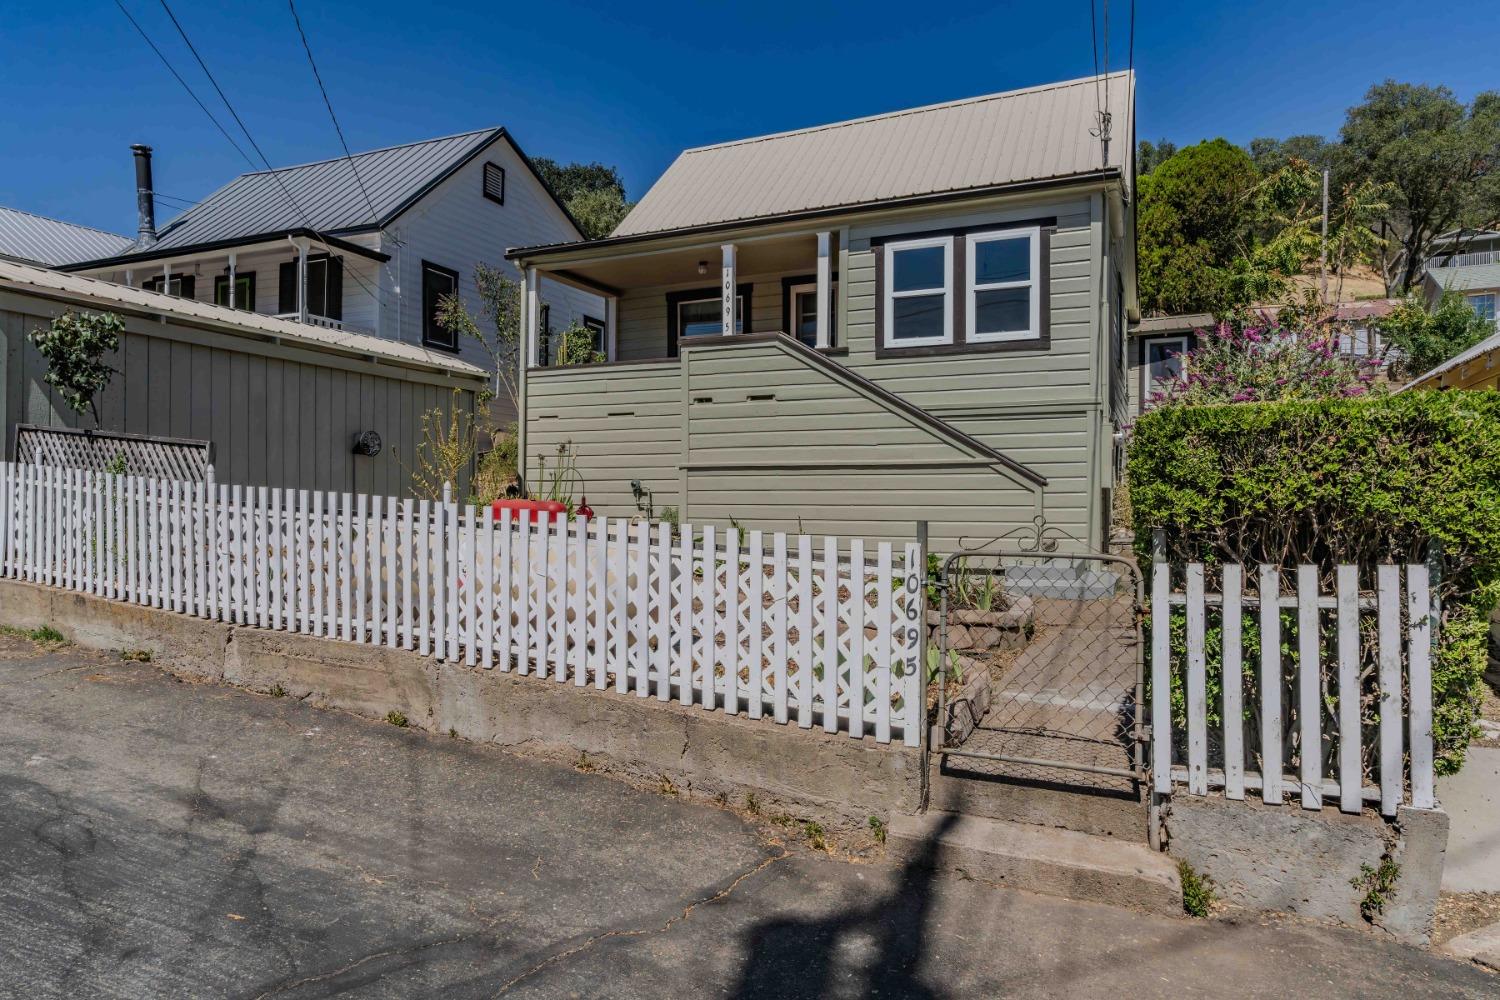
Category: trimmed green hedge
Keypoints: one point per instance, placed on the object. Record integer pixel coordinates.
(1361, 480)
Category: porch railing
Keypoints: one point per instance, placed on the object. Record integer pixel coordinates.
(314, 319)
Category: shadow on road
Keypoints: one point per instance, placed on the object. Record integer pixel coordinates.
(879, 944)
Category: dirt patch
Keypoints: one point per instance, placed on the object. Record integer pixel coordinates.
(1462, 912)
(1489, 718)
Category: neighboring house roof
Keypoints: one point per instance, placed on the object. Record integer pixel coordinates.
(1480, 276)
(1037, 134)
(1181, 323)
(37, 239)
(1349, 312)
(1490, 347)
(95, 293)
(1454, 235)
(329, 195)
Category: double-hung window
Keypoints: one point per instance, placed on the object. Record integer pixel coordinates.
(705, 317)
(1004, 301)
(919, 299)
(1484, 304)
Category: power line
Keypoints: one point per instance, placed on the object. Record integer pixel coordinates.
(275, 174)
(178, 76)
(374, 215)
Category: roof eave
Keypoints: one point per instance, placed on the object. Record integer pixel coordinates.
(125, 260)
(936, 198)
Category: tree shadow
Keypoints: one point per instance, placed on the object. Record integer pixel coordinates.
(816, 957)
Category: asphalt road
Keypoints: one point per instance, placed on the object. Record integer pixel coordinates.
(165, 839)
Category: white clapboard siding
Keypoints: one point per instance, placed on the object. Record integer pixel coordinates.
(1328, 713)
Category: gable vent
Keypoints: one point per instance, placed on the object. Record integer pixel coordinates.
(494, 183)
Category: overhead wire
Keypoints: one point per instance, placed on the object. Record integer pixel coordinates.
(369, 202)
(275, 174)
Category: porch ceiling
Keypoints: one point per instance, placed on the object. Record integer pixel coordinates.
(680, 266)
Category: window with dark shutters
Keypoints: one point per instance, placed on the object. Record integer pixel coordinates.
(494, 183)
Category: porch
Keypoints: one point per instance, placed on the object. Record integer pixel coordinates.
(659, 298)
(330, 283)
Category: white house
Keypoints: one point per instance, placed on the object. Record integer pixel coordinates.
(367, 243)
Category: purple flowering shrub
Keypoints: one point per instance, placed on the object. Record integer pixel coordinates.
(1258, 364)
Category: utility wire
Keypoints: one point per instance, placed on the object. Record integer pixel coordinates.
(374, 215)
(178, 77)
(223, 131)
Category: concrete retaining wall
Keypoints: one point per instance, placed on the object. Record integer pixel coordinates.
(1304, 862)
(833, 779)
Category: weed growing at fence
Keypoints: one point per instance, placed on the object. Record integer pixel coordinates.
(877, 829)
(276, 691)
(44, 636)
(664, 785)
(752, 804)
(1197, 891)
(1354, 481)
(583, 764)
(136, 655)
(816, 835)
(1379, 884)
(397, 719)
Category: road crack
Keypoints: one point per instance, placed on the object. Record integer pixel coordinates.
(643, 931)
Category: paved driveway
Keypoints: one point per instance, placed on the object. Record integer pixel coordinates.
(165, 839)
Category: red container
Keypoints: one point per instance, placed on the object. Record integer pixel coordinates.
(541, 510)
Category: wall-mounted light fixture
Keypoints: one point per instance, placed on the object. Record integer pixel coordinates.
(367, 443)
(703, 267)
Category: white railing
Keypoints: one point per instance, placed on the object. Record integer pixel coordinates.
(1471, 259)
(771, 625)
(1357, 689)
(313, 319)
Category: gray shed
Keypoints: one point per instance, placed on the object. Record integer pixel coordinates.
(280, 402)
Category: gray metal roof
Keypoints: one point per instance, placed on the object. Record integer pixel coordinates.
(1036, 134)
(40, 240)
(328, 194)
(1461, 279)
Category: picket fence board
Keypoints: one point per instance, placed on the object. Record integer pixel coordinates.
(1330, 715)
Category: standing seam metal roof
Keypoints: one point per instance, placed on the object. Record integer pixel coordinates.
(327, 192)
(40, 240)
(1039, 133)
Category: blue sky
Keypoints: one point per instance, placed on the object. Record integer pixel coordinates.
(631, 84)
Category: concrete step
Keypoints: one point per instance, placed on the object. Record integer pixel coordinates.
(1038, 859)
(1099, 806)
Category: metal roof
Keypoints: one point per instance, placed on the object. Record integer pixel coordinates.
(40, 240)
(1465, 277)
(1036, 134)
(328, 194)
(1488, 345)
(96, 293)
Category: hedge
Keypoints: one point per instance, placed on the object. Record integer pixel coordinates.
(1361, 481)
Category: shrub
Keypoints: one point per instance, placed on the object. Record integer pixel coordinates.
(1358, 481)
(1234, 364)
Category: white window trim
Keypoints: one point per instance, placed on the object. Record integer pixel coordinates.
(1181, 342)
(739, 315)
(891, 295)
(972, 289)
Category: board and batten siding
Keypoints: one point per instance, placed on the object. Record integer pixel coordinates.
(278, 415)
(455, 226)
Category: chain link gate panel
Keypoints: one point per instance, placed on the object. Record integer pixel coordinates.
(1039, 668)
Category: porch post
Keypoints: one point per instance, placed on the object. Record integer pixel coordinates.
(530, 320)
(525, 358)
(611, 316)
(726, 294)
(231, 281)
(166, 277)
(825, 288)
(302, 280)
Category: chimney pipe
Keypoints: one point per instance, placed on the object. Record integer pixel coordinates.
(145, 195)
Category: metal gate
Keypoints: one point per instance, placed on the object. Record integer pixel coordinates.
(1039, 665)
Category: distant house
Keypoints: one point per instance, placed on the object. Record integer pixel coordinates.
(36, 239)
(366, 244)
(851, 327)
(1466, 262)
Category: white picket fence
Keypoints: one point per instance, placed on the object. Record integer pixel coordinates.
(771, 625)
(1356, 688)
